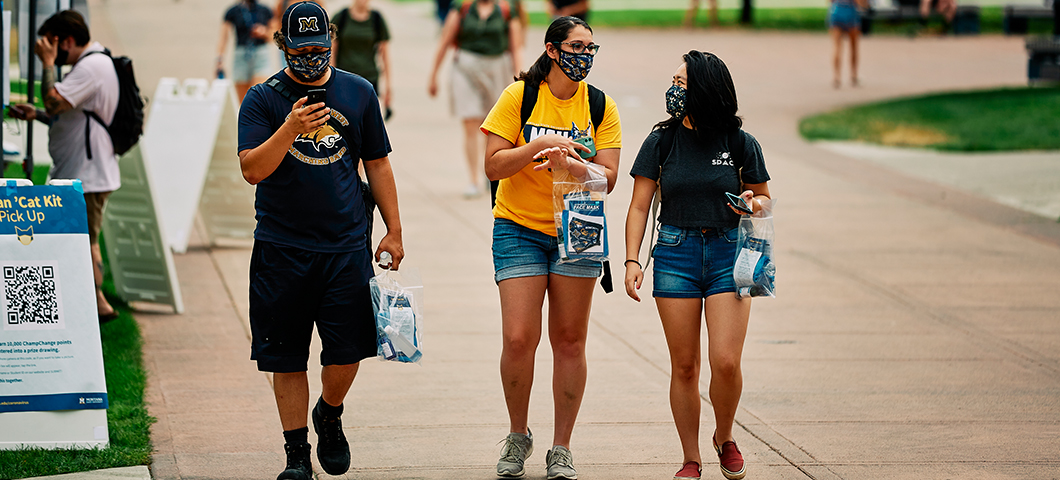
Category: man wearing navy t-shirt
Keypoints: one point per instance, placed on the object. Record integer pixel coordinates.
(311, 264)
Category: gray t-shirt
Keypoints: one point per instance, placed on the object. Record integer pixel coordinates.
(696, 175)
(92, 84)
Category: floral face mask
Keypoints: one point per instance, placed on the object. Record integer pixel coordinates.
(309, 67)
(675, 101)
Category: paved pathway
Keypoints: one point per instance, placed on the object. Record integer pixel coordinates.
(915, 335)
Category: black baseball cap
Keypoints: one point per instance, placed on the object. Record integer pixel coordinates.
(305, 24)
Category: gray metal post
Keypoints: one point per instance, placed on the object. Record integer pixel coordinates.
(31, 41)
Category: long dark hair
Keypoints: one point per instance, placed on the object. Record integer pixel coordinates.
(558, 31)
(710, 101)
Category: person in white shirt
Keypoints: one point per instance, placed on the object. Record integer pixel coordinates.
(90, 86)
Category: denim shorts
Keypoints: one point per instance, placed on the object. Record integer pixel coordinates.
(522, 252)
(249, 62)
(844, 16)
(693, 262)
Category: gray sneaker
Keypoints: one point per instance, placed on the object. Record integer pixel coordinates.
(560, 464)
(517, 447)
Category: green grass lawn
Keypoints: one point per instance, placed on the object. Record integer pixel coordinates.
(989, 120)
(792, 19)
(788, 19)
(127, 417)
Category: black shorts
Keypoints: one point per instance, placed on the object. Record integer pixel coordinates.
(292, 289)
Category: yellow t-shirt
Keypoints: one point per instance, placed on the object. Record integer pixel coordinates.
(526, 197)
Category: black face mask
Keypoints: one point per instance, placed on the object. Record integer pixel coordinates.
(61, 56)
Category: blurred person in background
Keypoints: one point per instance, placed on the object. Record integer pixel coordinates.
(568, 8)
(485, 37)
(946, 8)
(691, 160)
(442, 9)
(844, 19)
(80, 146)
(250, 60)
(693, 10)
(361, 46)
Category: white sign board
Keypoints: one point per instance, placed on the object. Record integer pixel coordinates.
(190, 136)
(52, 388)
(141, 263)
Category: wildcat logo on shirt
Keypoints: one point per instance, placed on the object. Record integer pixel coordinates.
(324, 136)
(323, 140)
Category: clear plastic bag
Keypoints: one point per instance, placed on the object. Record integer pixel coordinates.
(397, 301)
(579, 206)
(755, 271)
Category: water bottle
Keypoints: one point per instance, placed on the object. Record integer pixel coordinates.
(403, 344)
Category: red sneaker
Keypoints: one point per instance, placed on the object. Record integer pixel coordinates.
(691, 471)
(730, 458)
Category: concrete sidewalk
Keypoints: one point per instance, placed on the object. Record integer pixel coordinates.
(914, 336)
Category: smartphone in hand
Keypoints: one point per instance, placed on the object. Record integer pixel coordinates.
(737, 202)
(317, 95)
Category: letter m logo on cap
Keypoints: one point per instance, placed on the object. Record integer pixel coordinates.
(308, 24)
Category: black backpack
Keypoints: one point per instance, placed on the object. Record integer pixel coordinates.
(128, 124)
(597, 104)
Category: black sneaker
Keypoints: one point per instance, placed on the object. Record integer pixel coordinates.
(299, 466)
(333, 450)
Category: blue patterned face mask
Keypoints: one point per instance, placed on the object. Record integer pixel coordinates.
(309, 67)
(575, 66)
(675, 101)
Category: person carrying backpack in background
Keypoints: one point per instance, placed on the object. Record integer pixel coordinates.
(533, 127)
(363, 37)
(480, 32)
(81, 147)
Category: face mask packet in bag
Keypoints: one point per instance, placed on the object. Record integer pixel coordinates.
(579, 207)
(755, 271)
(397, 302)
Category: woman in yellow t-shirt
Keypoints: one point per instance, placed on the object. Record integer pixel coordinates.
(525, 251)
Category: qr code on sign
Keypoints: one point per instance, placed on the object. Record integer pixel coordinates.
(31, 296)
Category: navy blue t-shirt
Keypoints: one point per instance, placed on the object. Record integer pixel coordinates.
(313, 199)
(244, 18)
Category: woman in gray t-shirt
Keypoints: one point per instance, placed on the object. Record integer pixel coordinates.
(694, 158)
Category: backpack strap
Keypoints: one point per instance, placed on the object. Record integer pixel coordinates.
(341, 18)
(289, 93)
(665, 145)
(89, 115)
(526, 108)
(506, 11)
(377, 25)
(597, 105)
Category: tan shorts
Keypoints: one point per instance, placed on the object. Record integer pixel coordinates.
(94, 203)
(477, 83)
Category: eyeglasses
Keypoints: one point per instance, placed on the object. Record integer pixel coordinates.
(579, 47)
